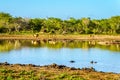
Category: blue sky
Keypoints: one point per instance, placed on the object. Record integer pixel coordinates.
(61, 8)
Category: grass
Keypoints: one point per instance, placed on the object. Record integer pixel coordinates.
(68, 77)
(26, 72)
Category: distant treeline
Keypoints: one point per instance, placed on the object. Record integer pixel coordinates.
(51, 25)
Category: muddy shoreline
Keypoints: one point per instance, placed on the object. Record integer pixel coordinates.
(55, 66)
(53, 72)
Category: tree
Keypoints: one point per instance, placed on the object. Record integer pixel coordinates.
(35, 24)
(104, 26)
(95, 24)
(114, 24)
(5, 19)
(52, 25)
(85, 24)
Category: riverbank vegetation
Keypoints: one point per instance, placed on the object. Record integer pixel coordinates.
(51, 25)
(51, 72)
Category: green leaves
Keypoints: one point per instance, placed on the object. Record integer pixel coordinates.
(51, 25)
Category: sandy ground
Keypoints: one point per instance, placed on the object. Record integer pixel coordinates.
(62, 37)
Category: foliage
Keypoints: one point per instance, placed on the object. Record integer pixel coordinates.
(51, 25)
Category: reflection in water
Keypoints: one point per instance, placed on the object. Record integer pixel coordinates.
(103, 56)
(8, 45)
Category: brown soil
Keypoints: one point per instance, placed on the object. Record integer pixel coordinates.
(52, 72)
(62, 37)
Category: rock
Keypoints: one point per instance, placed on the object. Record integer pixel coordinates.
(93, 62)
(72, 61)
(88, 69)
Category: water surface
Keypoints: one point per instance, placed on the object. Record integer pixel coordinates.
(62, 52)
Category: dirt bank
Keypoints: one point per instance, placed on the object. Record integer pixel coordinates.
(62, 37)
(51, 72)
